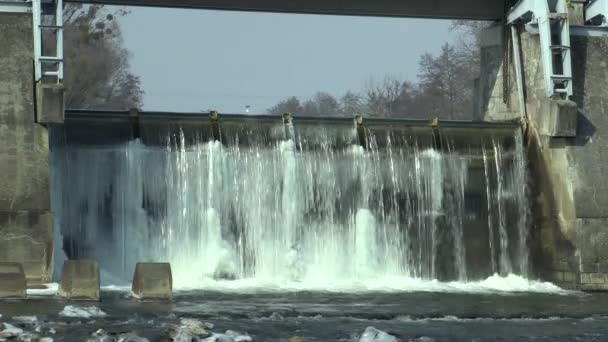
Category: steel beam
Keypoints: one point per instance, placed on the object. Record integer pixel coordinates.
(597, 8)
(447, 9)
(15, 7)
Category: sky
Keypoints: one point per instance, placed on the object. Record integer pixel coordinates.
(196, 60)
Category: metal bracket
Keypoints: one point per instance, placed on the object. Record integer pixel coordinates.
(43, 65)
(554, 29)
(597, 9)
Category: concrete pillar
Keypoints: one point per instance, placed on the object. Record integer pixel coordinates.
(152, 282)
(12, 281)
(80, 280)
(26, 224)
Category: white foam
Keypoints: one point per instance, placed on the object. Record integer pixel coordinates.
(82, 311)
(494, 284)
(477, 319)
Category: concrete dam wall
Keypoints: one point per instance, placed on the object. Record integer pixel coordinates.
(296, 202)
(567, 155)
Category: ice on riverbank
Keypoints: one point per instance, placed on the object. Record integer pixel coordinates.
(372, 334)
(82, 311)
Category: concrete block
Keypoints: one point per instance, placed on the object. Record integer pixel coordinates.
(12, 280)
(50, 103)
(152, 282)
(80, 280)
(27, 238)
(557, 118)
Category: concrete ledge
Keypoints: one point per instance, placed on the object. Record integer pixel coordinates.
(50, 103)
(558, 118)
(80, 280)
(152, 282)
(12, 280)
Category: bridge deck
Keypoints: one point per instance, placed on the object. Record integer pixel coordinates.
(446, 9)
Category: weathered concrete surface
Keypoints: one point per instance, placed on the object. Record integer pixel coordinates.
(50, 103)
(12, 281)
(152, 282)
(26, 230)
(80, 280)
(570, 196)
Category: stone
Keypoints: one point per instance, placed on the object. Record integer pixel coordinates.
(12, 280)
(152, 282)
(295, 339)
(80, 280)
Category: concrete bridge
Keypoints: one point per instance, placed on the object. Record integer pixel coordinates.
(554, 79)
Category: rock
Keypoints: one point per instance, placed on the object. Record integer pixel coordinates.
(238, 337)
(46, 339)
(195, 326)
(372, 334)
(295, 339)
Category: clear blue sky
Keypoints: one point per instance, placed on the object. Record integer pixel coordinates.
(191, 60)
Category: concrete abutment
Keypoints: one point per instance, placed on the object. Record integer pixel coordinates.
(26, 221)
(568, 155)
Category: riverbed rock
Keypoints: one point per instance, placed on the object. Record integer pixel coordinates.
(9, 331)
(372, 334)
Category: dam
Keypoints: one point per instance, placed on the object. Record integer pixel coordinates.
(292, 199)
(297, 228)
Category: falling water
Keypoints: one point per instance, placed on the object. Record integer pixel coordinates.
(300, 207)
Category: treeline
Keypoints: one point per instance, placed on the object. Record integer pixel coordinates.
(444, 87)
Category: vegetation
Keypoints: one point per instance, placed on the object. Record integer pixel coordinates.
(98, 76)
(444, 87)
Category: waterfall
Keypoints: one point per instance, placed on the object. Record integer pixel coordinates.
(309, 206)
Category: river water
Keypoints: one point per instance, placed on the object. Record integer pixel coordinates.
(481, 313)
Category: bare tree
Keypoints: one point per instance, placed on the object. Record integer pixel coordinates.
(97, 69)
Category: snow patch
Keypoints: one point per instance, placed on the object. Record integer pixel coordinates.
(82, 311)
(372, 334)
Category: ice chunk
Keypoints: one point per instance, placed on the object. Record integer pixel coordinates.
(238, 337)
(82, 311)
(218, 338)
(26, 319)
(9, 330)
(372, 334)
